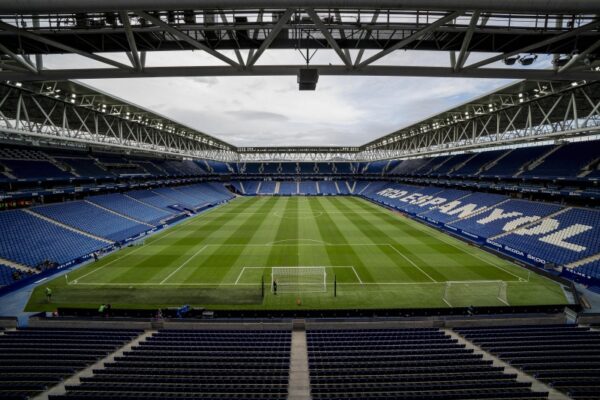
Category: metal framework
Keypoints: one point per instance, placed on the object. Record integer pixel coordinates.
(523, 112)
(550, 103)
(69, 111)
(92, 28)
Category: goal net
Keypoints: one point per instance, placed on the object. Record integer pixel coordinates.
(298, 279)
(467, 293)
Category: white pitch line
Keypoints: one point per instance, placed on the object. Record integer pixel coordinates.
(446, 301)
(471, 254)
(412, 263)
(204, 284)
(357, 277)
(174, 229)
(182, 265)
(239, 276)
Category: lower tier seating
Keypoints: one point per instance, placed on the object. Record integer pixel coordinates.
(32, 360)
(194, 364)
(403, 364)
(567, 357)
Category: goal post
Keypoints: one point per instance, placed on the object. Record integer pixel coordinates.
(467, 293)
(298, 279)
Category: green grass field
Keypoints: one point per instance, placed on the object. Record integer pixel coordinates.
(380, 259)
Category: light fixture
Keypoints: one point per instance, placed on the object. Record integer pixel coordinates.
(511, 60)
(561, 61)
(18, 84)
(528, 60)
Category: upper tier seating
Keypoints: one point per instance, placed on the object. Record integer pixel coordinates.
(33, 360)
(499, 219)
(325, 168)
(270, 168)
(253, 168)
(29, 240)
(452, 163)
(307, 168)
(151, 168)
(85, 167)
(194, 364)
(29, 169)
(576, 235)
(343, 168)
(404, 364)
(289, 168)
(131, 208)
(567, 161)
(566, 357)
(475, 164)
(376, 167)
(92, 219)
(218, 167)
(515, 160)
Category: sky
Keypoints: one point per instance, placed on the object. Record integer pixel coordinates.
(271, 111)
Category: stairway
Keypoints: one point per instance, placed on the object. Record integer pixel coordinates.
(119, 214)
(583, 261)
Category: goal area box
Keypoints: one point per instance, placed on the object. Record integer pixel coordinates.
(298, 279)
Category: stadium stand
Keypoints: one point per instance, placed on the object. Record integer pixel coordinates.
(307, 188)
(498, 219)
(253, 168)
(89, 218)
(325, 168)
(271, 168)
(477, 163)
(29, 240)
(559, 247)
(343, 187)
(514, 161)
(131, 208)
(222, 364)
(343, 168)
(404, 364)
(251, 186)
(564, 356)
(35, 359)
(288, 188)
(84, 167)
(34, 170)
(153, 199)
(567, 161)
(7, 275)
(329, 187)
(289, 168)
(267, 187)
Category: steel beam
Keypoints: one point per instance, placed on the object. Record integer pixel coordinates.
(176, 32)
(281, 70)
(415, 36)
(334, 45)
(532, 6)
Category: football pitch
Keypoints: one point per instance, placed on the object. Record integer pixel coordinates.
(224, 259)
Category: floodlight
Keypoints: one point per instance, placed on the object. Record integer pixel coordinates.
(528, 60)
(511, 60)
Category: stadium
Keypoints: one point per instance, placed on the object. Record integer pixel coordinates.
(282, 199)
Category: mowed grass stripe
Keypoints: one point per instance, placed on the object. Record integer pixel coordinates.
(287, 233)
(308, 228)
(441, 260)
(331, 230)
(183, 248)
(219, 261)
(404, 270)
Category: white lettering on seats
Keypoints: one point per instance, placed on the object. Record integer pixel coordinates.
(498, 214)
(544, 226)
(515, 223)
(559, 238)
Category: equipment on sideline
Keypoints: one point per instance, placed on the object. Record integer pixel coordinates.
(456, 293)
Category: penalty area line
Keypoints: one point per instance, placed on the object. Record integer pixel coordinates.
(412, 263)
(182, 265)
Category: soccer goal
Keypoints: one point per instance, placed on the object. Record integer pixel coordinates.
(467, 293)
(299, 279)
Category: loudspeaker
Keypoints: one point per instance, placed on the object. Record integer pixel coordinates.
(308, 78)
